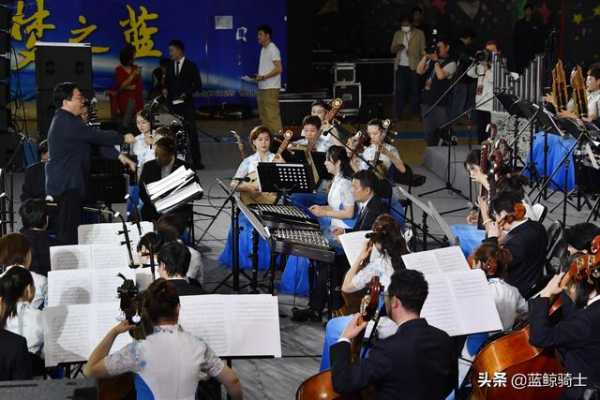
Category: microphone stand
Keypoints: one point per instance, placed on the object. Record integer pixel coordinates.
(448, 185)
(227, 199)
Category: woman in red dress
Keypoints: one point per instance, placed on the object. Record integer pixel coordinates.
(127, 94)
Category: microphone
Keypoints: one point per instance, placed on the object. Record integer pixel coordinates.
(244, 179)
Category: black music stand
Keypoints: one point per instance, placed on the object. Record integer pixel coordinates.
(285, 178)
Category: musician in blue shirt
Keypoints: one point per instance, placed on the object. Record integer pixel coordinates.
(69, 145)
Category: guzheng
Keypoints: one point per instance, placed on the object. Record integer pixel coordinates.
(308, 243)
(279, 216)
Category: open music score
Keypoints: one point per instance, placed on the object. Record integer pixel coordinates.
(353, 244)
(88, 256)
(460, 301)
(108, 233)
(232, 325)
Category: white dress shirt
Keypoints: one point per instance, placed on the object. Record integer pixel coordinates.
(509, 302)
(40, 282)
(250, 164)
(29, 324)
(369, 155)
(323, 143)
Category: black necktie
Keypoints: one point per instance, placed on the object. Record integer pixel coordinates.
(177, 68)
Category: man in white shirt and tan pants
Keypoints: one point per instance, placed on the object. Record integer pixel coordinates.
(269, 81)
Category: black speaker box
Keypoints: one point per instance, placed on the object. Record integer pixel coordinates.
(62, 63)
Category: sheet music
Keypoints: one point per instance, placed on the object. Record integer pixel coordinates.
(108, 233)
(461, 303)
(178, 196)
(72, 332)
(353, 243)
(70, 257)
(446, 259)
(109, 256)
(234, 325)
(66, 334)
(84, 286)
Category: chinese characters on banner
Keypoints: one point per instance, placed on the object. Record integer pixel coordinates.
(32, 28)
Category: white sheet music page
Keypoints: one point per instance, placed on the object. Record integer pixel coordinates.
(254, 325)
(353, 244)
(66, 287)
(446, 259)
(109, 256)
(440, 308)
(108, 233)
(66, 334)
(70, 257)
(105, 282)
(206, 316)
(105, 317)
(475, 302)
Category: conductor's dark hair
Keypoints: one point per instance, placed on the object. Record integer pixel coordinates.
(167, 144)
(12, 287)
(34, 214)
(410, 287)
(266, 29)
(42, 147)
(580, 236)
(176, 258)
(177, 43)
(63, 91)
(312, 120)
(126, 55)
(505, 201)
(160, 301)
(367, 179)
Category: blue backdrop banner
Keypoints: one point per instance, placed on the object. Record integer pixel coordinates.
(219, 35)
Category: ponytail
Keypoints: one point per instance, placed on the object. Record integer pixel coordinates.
(12, 287)
(494, 259)
(388, 234)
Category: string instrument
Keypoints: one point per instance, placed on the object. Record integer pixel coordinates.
(579, 92)
(320, 386)
(240, 144)
(335, 107)
(380, 169)
(512, 353)
(518, 214)
(262, 197)
(559, 87)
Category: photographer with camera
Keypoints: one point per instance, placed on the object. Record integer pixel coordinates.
(169, 362)
(438, 68)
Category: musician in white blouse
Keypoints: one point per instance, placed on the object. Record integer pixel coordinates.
(311, 130)
(143, 148)
(320, 109)
(592, 84)
(388, 153)
(169, 362)
(260, 137)
(340, 200)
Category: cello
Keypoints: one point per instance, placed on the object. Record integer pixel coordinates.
(320, 386)
(511, 354)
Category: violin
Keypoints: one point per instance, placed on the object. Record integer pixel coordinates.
(512, 353)
(518, 214)
(320, 386)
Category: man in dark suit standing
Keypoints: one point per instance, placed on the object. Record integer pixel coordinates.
(70, 141)
(418, 362)
(182, 81)
(157, 169)
(369, 206)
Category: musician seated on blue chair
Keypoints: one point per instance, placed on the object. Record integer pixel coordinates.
(380, 257)
(339, 211)
(417, 362)
(369, 206)
(311, 130)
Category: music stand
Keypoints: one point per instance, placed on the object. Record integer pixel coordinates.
(453, 240)
(285, 178)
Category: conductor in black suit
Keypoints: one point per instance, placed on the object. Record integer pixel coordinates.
(70, 142)
(157, 169)
(182, 81)
(418, 362)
